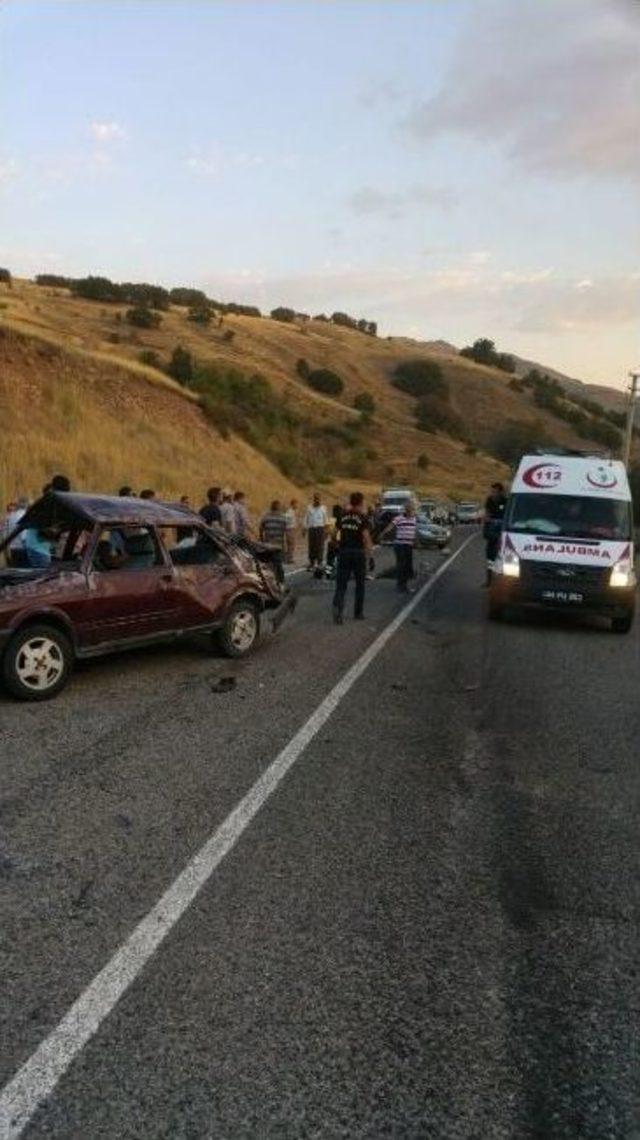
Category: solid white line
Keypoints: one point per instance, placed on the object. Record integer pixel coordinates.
(38, 1077)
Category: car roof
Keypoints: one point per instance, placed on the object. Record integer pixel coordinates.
(69, 507)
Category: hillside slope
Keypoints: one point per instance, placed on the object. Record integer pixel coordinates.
(174, 447)
(106, 425)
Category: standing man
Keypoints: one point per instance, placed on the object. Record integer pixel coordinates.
(404, 540)
(291, 516)
(243, 519)
(316, 521)
(210, 512)
(227, 512)
(494, 509)
(354, 547)
(273, 530)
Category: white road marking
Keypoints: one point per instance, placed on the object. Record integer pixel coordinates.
(40, 1074)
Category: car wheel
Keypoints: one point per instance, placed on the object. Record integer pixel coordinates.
(623, 624)
(240, 630)
(37, 663)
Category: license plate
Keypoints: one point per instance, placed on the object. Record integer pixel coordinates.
(565, 597)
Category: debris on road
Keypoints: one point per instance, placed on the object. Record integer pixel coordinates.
(224, 685)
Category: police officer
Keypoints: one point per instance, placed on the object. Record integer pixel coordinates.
(354, 547)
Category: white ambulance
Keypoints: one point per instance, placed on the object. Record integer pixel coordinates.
(567, 539)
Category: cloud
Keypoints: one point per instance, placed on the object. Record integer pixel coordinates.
(369, 200)
(9, 169)
(377, 93)
(216, 163)
(526, 300)
(587, 305)
(554, 84)
(107, 132)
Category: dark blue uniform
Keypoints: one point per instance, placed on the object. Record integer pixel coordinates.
(351, 560)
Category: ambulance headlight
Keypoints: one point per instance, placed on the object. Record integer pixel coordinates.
(510, 564)
(622, 575)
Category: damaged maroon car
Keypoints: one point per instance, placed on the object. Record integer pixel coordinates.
(91, 575)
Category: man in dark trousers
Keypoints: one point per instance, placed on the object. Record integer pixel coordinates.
(354, 547)
(494, 509)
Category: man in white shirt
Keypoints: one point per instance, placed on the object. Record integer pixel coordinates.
(227, 512)
(316, 521)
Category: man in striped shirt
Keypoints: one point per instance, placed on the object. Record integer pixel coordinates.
(273, 530)
(404, 539)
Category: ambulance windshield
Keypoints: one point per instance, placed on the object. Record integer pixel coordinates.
(569, 516)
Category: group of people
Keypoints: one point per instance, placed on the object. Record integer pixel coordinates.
(339, 543)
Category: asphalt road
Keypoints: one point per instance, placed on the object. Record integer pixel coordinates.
(430, 928)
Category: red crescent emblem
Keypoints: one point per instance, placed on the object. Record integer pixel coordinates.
(542, 475)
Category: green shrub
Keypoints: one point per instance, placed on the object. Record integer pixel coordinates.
(326, 381)
(303, 369)
(515, 439)
(287, 316)
(142, 317)
(52, 279)
(200, 313)
(188, 297)
(181, 365)
(483, 351)
(421, 378)
(422, 461)
(434, 414)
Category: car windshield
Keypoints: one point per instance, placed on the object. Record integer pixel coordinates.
(571, 516)
(395, 500)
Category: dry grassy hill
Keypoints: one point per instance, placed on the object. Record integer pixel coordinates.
(74, 397)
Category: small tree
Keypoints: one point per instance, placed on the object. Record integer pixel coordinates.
(422, 461)
(228, 335)
(421, 378)
(287, 316)
(53, 280)
(323, 380)
(303, 369)
(364, 402)
(143, 318)
(5, 277)
(96, 289)
(181, 365)
(200, 313)
(343, 319)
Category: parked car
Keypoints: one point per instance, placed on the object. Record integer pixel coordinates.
(430, 534)
(122, 573)
(469, 513)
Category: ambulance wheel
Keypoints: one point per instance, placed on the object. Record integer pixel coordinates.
(623, 624)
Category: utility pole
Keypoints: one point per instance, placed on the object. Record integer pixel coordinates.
(631, 407)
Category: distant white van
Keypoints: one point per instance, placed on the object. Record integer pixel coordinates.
(567, 539)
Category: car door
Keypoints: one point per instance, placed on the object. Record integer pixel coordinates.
(134, 600)
(205, 578)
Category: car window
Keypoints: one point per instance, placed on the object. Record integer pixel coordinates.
(126, 548)
(197, 549)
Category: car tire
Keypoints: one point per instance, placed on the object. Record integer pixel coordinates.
(241, 629)
(623, 624)
(37, 663)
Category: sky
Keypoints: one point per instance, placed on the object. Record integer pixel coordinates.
(450, 168)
